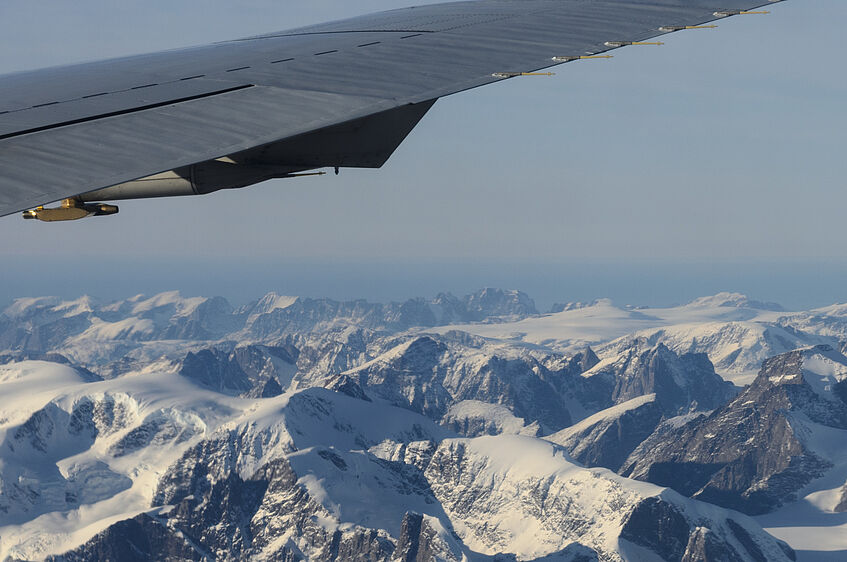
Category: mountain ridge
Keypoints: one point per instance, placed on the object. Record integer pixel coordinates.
(187, 427)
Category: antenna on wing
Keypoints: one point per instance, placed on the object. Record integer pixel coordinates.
(583, 57)
(514, 74)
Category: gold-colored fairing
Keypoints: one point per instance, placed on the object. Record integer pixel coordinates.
(70, 210)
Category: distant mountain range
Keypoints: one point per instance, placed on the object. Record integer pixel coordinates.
(446, 428)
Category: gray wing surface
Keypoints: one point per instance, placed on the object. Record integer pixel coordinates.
(70, 130)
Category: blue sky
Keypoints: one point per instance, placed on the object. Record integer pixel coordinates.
(721, 146)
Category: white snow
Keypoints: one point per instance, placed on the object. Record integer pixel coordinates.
(26, 386)
(822, 370)
(811, 525)
(81, 305)
(100, 331)
(20, 306)
(496, 415)
(110, 488)
(307, 426)
(183, 306)
(273, 301)
(735, 335)
(612, 413)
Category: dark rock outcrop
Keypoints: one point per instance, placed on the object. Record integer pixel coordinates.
(659, 526)
(680, 382)
(253, 371)
(609, 440)
(140, 539)
(748, 454)
(428, 374)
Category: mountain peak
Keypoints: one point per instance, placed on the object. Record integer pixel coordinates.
(500, 302)
(20, 307)
(272, 301)
(733, 300)
(822, 367)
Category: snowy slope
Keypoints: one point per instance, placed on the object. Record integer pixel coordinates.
(76, 455)
(817, 523)
(98, 452)
(291, 425)
(736, 332)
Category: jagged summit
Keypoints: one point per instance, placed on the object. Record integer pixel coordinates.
(497, 302)
(759, 450)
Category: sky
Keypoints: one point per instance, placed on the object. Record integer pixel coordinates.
(715, 161)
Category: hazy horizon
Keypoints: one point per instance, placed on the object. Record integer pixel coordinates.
(796, 285)
(650, 178)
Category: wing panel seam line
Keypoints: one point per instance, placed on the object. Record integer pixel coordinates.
(124, 112)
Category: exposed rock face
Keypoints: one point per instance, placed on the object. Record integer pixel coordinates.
(263, 491)
(162, 427)
(498, 303)
(31, 482)
(420, 541)
(430, 374)
(634, 392)
(106, 336)
(140, 539)
(252, 371)
(609, 437)
(312, 429)
(472, 418)
(47, 335)
(306, 315)
(660, 526)
(751, 455)
(271, 512)
(210, 319)
(842, 505)
(323, 355)
(734, 347)
(568, 306)
(670, 537)
(242, 520)
(680, 382)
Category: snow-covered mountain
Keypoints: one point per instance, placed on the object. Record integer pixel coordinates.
(472, 428)
(737, 333)
(755, 453)
(315, 475)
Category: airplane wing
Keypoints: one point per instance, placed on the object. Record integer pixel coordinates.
(347, 93)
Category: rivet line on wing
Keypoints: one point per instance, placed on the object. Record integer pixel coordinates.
(125, 111)
(187, 78)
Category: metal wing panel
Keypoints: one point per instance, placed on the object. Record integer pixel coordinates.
(433, 17)
(296, 81)
(120, 149)
(92, 106)
(172, 70)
